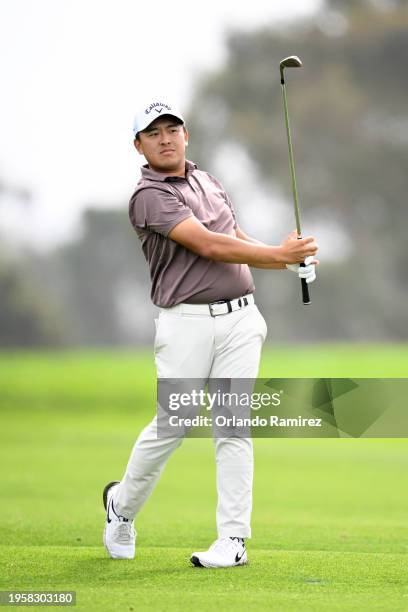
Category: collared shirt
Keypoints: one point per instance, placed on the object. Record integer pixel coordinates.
(159, 203)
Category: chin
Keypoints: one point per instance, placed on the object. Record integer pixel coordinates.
(168, 164)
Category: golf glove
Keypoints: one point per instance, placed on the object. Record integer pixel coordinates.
(308, 272)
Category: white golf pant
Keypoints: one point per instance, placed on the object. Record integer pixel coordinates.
(190, 344)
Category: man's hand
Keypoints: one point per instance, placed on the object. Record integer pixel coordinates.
(295, 250)
(308, 271)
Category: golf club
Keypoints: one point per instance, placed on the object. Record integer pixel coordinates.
(293, 62)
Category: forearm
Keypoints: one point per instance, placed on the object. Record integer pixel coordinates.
(264, 266)
(229, 249)
(267, 266)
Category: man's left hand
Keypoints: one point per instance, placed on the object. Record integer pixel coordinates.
(308, 271)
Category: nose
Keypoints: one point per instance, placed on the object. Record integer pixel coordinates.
(164, 137)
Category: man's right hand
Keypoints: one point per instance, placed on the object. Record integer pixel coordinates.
(295, 250)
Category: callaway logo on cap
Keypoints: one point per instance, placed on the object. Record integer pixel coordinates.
(151, 111)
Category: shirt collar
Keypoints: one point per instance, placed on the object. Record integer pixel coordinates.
(152, 175)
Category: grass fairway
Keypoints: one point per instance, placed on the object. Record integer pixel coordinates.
(330, 516)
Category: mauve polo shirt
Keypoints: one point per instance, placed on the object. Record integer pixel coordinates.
(161, 202)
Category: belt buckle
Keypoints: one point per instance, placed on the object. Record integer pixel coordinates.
(211, 305)
(214, 314)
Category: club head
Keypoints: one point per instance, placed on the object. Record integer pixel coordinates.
(291, 62)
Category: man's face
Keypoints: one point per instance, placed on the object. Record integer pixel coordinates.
(163, 144)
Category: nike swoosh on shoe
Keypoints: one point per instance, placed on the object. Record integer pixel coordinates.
(238, 558)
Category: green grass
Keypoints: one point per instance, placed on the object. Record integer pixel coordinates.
(330, 516)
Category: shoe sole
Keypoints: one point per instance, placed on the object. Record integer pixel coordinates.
(106, 491)
(197, 563)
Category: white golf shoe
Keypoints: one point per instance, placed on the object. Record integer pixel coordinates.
(224, 552)
(119, 535)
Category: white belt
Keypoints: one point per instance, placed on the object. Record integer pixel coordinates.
(215, 309)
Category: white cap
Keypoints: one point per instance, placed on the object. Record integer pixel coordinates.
(158, 107)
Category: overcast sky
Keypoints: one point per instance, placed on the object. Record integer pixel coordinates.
(72, 73)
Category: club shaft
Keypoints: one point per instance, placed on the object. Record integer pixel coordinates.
(305, 288)
(292, 163)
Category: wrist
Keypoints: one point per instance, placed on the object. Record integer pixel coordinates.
(280, 255)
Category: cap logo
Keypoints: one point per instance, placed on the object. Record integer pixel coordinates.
(154, 105)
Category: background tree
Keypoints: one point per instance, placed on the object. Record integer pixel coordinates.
(100, 281)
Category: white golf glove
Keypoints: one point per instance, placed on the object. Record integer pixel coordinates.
(308, 272)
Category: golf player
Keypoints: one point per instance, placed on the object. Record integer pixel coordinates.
(208, 324)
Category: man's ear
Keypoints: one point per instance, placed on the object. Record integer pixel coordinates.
(138, 146)
(186, 136)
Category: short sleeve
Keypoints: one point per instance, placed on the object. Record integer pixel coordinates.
(157, 210)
